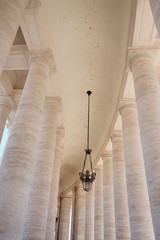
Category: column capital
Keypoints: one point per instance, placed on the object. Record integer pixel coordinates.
(43, 57)
(55, 103)
(106, 154)
(34, 4)
(6, 100)
(137, 54)
(98, 168)
(115, 134)
(78, 186)
(67, 195)
(126, 103)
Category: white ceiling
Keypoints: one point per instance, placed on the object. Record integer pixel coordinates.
(90, 43)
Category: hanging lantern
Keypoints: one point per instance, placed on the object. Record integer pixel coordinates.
(87, 177)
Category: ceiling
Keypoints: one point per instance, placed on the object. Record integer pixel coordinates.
(90, 40)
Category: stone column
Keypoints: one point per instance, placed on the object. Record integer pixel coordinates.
(73, 212)
(139, 210)
(11, 12)
(19, 157)
(108, 199)
(79, 230)
(37, 211)
(57, 220)
(65, 217)
(98, 204)
(147, 90)
(5, 107)
(50, 228)
(120, 190)
(155, 7)
(89, 215)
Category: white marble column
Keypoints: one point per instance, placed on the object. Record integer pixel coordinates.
(10, 14)
(57, 220)
(52, 209)
(37, 211)
(108, 199)
(155, 7)
(120, 190)
(98, 204)
(65, 217)
(5, 107)
(19, 157)
(73, 212)
(89, 215)
(147, 90)
(79, 230)
(139, 210)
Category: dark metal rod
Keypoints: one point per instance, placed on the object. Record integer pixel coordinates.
(89, 93)
(84, 163)
(91, 164)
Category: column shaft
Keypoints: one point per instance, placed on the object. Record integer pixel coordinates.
(108, 199)
(10, 15)
(80, 213)
(139, 211)
(120, 190)
(89, 215)
(147, 90)
(37, 211)
(98, 204)
(52, 209)
(5, 107)
(65, 218)
(18, 159)
(73, 212)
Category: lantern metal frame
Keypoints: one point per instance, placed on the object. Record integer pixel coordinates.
(87, 177)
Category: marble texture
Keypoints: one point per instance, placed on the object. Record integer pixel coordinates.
(139, 211)
(120, 190)
(98, 204)
(79, 230)
(65, 217)
(147, 91)
(37, 211)
(108, 198)
(19, 157)
(52, 209)
(89, 215)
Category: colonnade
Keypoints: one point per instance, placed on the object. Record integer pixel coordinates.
(130, 198)
(124, 203)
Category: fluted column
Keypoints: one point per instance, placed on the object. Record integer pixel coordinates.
(79, 230)
(139, 210)
(10, 14)
(50, 228)
(147, 90)
(98, 204)
(155, 7)
(19, 157)
(108, 199)
(65, 217)
(120, 190)
(5, 107)
(37, 211)
(89, 215)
